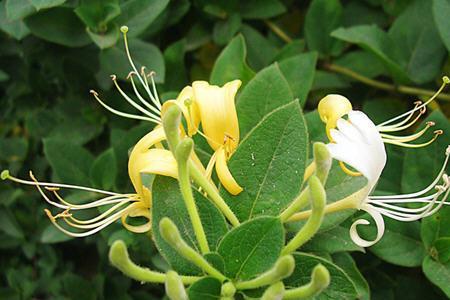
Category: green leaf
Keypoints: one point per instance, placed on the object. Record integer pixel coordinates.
(207, 288)
(299, 71)
(261, 9)
(103, 171)
(292, 49)
(269, 163)
(252, 248)
(441, 11)
(70, 162)
(437, 273)
(422, 165)
(322, 18)
(362, 62)
(260, 49)
(176, 75)
(435, 227)
(341, 286)
(96, 14)
(138, 15)
(415, 35)
(16, 29)
(267, 91)
(334, 240)
(9, 224)
(378, 42)
(44, 4)
(442, 246)
(231, 65)
(346, 262)
(400, 245)
(105, 39)
(114, 60)
(18, 9)
(224, 30)
(70, 31)
(168, 202)
(52, 235)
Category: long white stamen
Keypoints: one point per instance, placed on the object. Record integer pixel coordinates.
(408, 138)
(437, 133)
(136, 91)
(81, 234)
(124, 30)
(155, 92)
(134, 104)
(428, 188)
(113, 217)
(446, 81)
(387, 128)
(101, 216)
(120, 113)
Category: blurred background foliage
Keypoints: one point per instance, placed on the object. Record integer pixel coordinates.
(382, 54)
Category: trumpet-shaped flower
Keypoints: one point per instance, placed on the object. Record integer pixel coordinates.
(359, 143)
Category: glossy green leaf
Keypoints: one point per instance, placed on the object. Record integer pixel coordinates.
(269, 163)
(96, 14)
(106, 39)
(138, 15)
(70, 162)
(322, 18)
(341, 286)
(334, 240)
(52, 235)
(261, 9)
(231, 64)
(176, 75)
(168, 202)
(260, 50)
(299, 71)
(435, 227)
(9, 224)
(207, 288)
(441, 11)
(442, 246)
(264, 93)
(44, 4)
(103, 171)
(378, 42)
(70, 31)
(16, 29)
(224, 31)
(18, 9)
(362, 62)
(252, 248)
(437, 273)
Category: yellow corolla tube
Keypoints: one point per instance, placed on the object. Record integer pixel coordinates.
(331, 108)
(217, 112)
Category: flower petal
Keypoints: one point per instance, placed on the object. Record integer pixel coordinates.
(224, 174)
(379, 222)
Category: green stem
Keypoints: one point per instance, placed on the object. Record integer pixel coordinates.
(320, 279)
(283, 268)
(409, 90)
(318, 199)
(298, 203)
(213, 194)
(182, 154)
(171, 235)
(118, 255)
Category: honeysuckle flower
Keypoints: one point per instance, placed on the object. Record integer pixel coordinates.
(359, 143)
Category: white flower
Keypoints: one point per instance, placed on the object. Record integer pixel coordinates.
(359, 144)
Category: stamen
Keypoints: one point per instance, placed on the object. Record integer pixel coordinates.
(397, 127)
(393, 142)
(101, 216)
(445, 80)
(120, 113)
(134, 104)
(348, 171)
(130, 76)
(155, 92)
(408, 138)
(427, 189)
(76, 234)
(408, 117)
(145, 75)
(124, 30)
(108, 220)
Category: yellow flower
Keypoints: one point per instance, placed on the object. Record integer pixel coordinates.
(216, 109)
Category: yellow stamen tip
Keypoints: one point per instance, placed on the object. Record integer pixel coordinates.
(431, 123)
(49, 214)
(113, 77)
(124, 29)
(5, 174)
(439, 132)
(93, 92)
(446, 80)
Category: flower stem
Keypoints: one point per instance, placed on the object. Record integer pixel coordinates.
(213, 194)
(317, 194)
(171, 235)
(320, 279)
(118, 255)
(182, 154)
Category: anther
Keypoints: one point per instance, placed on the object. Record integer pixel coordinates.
(430, 123)
(124, 29)
(131, 74)
(93, 92)
(51, 189)
(438, 132)
(151, 74)
(446, 80)
(113, 77)
(417, 103)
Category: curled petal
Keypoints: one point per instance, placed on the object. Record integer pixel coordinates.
(137, 209)
(224, 174)
(379, 222)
